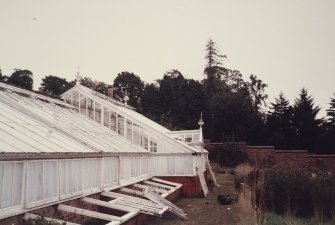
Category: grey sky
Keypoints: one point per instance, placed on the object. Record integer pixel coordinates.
(287, 44)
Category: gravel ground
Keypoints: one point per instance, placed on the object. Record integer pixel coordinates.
(204, 211)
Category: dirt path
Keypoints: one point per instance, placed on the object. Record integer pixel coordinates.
(204, 211)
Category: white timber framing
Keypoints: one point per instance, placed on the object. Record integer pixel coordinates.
(158, 185)
(203, 182)
(157, 190)
(142, 205)
(89, 213)
(28, 216)
(107, 204)
(212, 174)
(149, 193)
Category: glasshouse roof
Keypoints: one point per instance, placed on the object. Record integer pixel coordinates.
(123, 108)
(33, 123)
(80, 96)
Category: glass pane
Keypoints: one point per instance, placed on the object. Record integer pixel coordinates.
(113, 121)
(8, 171)
(82, 104)
(98, 112)
(145, 142)
(129, 130)
(120, 125)
(106, 117)
(17, 185)
(136, 134)
(153, 146)
(90, 105)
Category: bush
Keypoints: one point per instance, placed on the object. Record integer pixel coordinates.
(299, 190)
(230, 154)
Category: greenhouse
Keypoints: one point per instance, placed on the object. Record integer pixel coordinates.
(89, 147)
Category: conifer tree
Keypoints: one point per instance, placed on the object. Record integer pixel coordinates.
(331, 111)
(305, 123)
(279, 122)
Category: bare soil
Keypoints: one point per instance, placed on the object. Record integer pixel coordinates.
(205, 211)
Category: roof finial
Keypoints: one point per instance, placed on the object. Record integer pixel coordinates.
(78, 77)
(201, 121)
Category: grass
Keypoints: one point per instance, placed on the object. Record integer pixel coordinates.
(274, 219)
(249, 184)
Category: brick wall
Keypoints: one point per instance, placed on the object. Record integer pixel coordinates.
(267, 155)
(191, 185)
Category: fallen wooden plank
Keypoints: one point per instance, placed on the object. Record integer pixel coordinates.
(28, 216)
(143, 205)
(88, 213)
(166, 182)
(158, 190)
(129, 215)
(118, 195)
(131, 191)
(212, 174)
(159, 185)
(110, 205)
(114, 223)
(160, 200)
(202, 182)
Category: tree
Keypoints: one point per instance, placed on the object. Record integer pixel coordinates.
(305, 123)
(331, 111)
(234, 118)
(54, 86)
(191, 101)
(257, 92)
(131, 85)
(233, 110)
(213, 56)
(328, 127)
(22, 78)
(3, 78)
(151, 102)
(97, 86)
(279, 123)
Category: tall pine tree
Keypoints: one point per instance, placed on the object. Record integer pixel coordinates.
(305, 123)
(279, 123)
(331, 111)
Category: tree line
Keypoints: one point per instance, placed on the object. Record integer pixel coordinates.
(234, 108)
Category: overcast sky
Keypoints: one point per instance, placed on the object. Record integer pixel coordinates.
(288, 44)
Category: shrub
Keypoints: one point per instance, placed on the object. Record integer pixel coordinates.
(299, 190)
(230, 154)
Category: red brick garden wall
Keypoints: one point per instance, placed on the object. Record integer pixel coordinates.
(267, 155)
(191, 185)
